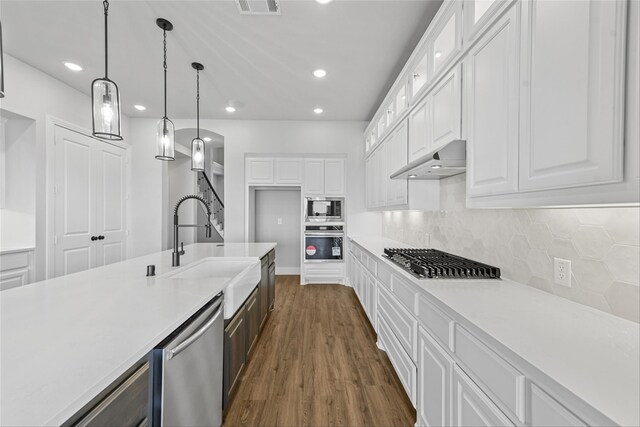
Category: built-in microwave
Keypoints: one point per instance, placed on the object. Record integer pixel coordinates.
(322, 209)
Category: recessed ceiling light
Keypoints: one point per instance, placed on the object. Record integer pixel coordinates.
(72, 66)
(438, 54)
(207, 139)
(436, 166)
(139, 107)
(324, 1)
(413, 176)
(318, 110)
(319, 73)
(230, 109)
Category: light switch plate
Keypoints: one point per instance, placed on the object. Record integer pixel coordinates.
(279, 221)
(562, 272)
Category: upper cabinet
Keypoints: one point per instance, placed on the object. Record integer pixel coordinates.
(545, 94)
(445, 43)
(289, 171)
(572, 93)
(325, 177)
(491, 88)
(259, 171)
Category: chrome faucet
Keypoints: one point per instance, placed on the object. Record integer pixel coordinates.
(176, 254)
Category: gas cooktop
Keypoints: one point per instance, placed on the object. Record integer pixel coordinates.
(435, 264)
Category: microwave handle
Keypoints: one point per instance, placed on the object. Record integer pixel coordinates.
(324, 233)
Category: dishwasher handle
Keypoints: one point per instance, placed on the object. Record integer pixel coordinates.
(195, 336)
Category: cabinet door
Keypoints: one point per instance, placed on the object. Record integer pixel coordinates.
(418, 131)
(546, 411)
(334, 175)
(478, 16)
(572, 99)
(235, 351)
(446, 40)
(434, 382)
(446, 108)
(419, 76)
(289, 171)
(272, 286)
(491, 88)
(401, 100)
(263, 289)
(398, 159)
(471, 407)
(368, 166)
(314, 176)
(259, 171)
(252, 307)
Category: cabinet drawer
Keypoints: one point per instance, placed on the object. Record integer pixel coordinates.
(546, 411)
(14, 260)
(405, 292)
(126, 406)
(272, 256)
(436, 322)
(499, 378)
(403, 324)
(372, 265)
(402, 363)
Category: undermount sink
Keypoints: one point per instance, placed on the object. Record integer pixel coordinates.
(243, 272)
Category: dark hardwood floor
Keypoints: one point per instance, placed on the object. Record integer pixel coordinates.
(317, 364)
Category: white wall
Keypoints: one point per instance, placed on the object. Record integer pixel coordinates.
(241, 137)
(36, 95)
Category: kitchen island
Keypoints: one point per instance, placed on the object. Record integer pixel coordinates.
(66, 339)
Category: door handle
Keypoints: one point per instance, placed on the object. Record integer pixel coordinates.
(100, 237)
(94, 238)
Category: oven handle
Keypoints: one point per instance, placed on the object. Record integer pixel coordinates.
(324, 233)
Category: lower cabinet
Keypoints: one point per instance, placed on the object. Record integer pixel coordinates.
(235, 352)
(272, 286)
(253, 320)
(400, 359)
(471, 407)
(125, 403)
(435, 368)
(263, 299)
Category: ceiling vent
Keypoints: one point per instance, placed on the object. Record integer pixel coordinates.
(258, 7)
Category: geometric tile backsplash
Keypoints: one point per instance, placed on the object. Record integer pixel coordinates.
(603, 245)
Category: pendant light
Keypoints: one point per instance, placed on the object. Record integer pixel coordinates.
(197, 145)
(105, 97)
(165, 135)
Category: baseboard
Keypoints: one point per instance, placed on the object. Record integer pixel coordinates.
(287, 271)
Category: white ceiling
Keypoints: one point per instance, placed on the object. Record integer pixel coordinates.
(264, 63)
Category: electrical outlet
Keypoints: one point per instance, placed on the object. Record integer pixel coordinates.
(562, 272)
(279, 221)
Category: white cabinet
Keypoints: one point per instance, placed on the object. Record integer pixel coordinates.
(324, 177)
(313, 176)
(16, 269)
(547, 412)
(445, 42)
(479, 15)
(471, 407)
(334, 177)
(435, 368)
(259, 171)
(491, 88)
(402, 363)
(419, 135)
(289, 171)
(572, 93)
(419, 75)
(396, 159)
(446, 109)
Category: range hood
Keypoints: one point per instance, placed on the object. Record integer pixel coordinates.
(448, 160)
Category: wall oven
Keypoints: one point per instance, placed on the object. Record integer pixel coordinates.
(323, 243)
(323, 209)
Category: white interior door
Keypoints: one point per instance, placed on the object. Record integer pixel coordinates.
(74, 212)
(110, 204)
(89, 202)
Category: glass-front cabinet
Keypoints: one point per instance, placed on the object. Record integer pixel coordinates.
(479, 14)
(401, 100)
(419, 76)
(445, 41)
(390, 113)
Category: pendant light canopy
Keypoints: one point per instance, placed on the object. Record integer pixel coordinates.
(197, 145)
(105, 97)
(165, 135)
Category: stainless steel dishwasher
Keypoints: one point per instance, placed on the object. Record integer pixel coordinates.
(187, 372)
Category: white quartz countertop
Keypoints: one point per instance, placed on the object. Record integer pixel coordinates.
(65, 340)
(592, 354)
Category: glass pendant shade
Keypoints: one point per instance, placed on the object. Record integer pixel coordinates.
(165, 136)
(197, 155)
(106, 110)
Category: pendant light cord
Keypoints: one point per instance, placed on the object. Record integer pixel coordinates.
(106, 40)
(198, 102)
(165, 73)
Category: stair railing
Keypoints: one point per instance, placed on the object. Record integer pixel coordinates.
(212, 198)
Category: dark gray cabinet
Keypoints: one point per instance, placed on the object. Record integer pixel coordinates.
(235, 354)
(264, 289)
(272, 286)
(253, 320)
(124, 403)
